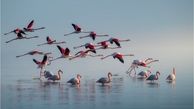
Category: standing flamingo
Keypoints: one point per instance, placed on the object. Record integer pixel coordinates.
(105, 80)
(65, 53)
(50, 41)
(30, 29)
(20, 36)
(76, 80)
(172, 76)
(77, 29)
(83, 54)
(56, 77)
(117, 41)
(144, 74)
(139, 63)
(93, 35)
(33, 52)
(154, 77)
(117, 55)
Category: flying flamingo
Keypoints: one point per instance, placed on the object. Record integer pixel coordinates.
(77, 30)
(105, 80)
(87, 45)
(119, 56)
(41, 64)
(105, 45)
(93, 35)
(153, 77)
(16, 31)
(30, 29)
(139, 63)
(144, 74)
(83, 54)
(33, 52)
(56, 77)
(172, 76)
(20, 36)
(117, 41)
(50, 41)
(76, 80)
(65, 53)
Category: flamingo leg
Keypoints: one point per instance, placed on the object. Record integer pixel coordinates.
(42, 44)
(59, 42)
(74, 57)
(22, 55)
(102, 35)
(84, 36)
(38, 28)
(31, 37)
(11, 40)
(8, 33)
(69, 33)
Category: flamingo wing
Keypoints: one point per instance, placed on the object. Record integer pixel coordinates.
(72, 81)
(151, 77)
(67, 51)
(62, 50)
(116, 41)
(54, 77)
(48, 39)
(76, 27)
(142, 73)
(47, 74)
(37, 62)
(102, 80)
(30, 24)
(44, 59)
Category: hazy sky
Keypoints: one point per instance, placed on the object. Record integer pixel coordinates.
(161, 29)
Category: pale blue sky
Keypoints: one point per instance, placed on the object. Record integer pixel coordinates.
(161, 29)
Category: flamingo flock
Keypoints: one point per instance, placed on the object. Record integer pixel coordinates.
(88, 50)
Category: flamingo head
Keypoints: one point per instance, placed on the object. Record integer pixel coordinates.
(158, 72)
(109, 74)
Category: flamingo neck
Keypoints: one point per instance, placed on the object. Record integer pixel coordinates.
(59, 75)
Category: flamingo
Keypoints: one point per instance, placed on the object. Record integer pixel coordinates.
(41, 64)
(50, 41)
(65, 53)
(172, 76)
(93, 35)
(91, 46)
(83, 54)
(30, 29)
(154, 77)
(33, 52)
(117, 41)
(105, 45)
(20, 36)
(77, 29)
(139, 63)
(144, 74)
(16, 31)
(76, 80)
(56, 77)
(105, 80)
(117, 55)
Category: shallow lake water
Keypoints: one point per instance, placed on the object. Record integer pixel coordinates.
(123, 93)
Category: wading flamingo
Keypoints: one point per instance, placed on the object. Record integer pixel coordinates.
(56, 77)
(83, 54)
(50, 42)
(154, 77)
(144, 74)
(29, 28)
(119, 56)
(77, 29)
(139, 63)
(172, 76)
(65, 53)
(93, 35)
(117, 41)
(33, 52)
(91, 46)
(105, 80)
(76, 80)
(20, 36)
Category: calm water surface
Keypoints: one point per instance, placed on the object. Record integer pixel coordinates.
(123, 93)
